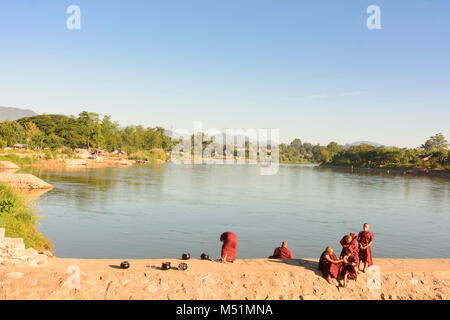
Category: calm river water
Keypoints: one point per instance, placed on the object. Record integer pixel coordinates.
(148, 212)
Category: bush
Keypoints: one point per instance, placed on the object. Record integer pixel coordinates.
(19, 219)
(68, 152)
(151, 156)
(3, 143)
(158, 154)
(18, 160)
(48, 155)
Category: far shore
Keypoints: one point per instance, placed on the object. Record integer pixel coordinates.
(438, 173)
(399, 279)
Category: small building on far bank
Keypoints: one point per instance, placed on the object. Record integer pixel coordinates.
(20, 146)
(424, 157)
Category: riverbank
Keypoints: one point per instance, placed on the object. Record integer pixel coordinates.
(23, 181)
(17, 160)
(403, 279)
(438, 173)
(19, 217)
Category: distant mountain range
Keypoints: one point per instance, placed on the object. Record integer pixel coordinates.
(9, 113)
(357, 143)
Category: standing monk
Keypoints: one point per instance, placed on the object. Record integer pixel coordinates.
(329, 264)
(350, 242)
(365, 239)
(282, 252)
(229, 240)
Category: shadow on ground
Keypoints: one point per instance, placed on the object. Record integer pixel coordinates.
(306, 264)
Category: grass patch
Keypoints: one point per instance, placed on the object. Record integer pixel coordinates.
(19, 218)
(151, 156)
(18, 160)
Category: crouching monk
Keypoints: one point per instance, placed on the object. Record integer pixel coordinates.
(329, 264)
(348, 268)
(282, 252)
(229, 246)
(350, 242)
(365, 239)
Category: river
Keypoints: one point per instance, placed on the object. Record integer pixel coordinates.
(158, 212)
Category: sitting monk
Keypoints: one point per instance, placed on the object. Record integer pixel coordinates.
(329, 264)
(229, 240)
(349, 267)
(365, 239)
(282, 252)
(350, 242)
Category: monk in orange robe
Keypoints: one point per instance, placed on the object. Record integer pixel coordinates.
(348, 269)
(329, 264)
(350, 242)
(365, 239)
(229, 247)
(282, 252)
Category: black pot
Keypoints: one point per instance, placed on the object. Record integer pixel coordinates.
(165, 266)
(182, 266)
(124, 265)
(185, 256)
(204, 256)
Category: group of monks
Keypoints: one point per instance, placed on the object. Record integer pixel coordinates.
(356, 250)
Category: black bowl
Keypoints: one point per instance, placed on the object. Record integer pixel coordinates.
(185, 256)
(204, 256)
(124, 265)
(182, 266)
(165, 266)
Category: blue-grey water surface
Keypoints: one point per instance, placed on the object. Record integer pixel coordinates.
(159, 212)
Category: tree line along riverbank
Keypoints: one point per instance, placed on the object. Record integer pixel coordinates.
(59, 137)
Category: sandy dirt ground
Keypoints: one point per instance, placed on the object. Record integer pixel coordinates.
(403, 279)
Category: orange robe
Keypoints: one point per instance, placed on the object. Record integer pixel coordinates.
(348, 269)
(282, 253)
(327, 267)
(365, 255)
(353, 247)
(229, 247)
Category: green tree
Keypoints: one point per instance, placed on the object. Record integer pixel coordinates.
(321, 154)
(297, 144)
(333, 148)
(32, 131)
(435, 143)
(3, 143)
(89, 131)
(12, 132)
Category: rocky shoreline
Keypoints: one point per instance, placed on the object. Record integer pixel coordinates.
(23, 181)
(13, 253)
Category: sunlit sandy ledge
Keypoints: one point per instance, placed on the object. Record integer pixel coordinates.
(244, 279)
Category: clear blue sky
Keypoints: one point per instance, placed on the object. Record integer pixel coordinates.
(310, 68)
